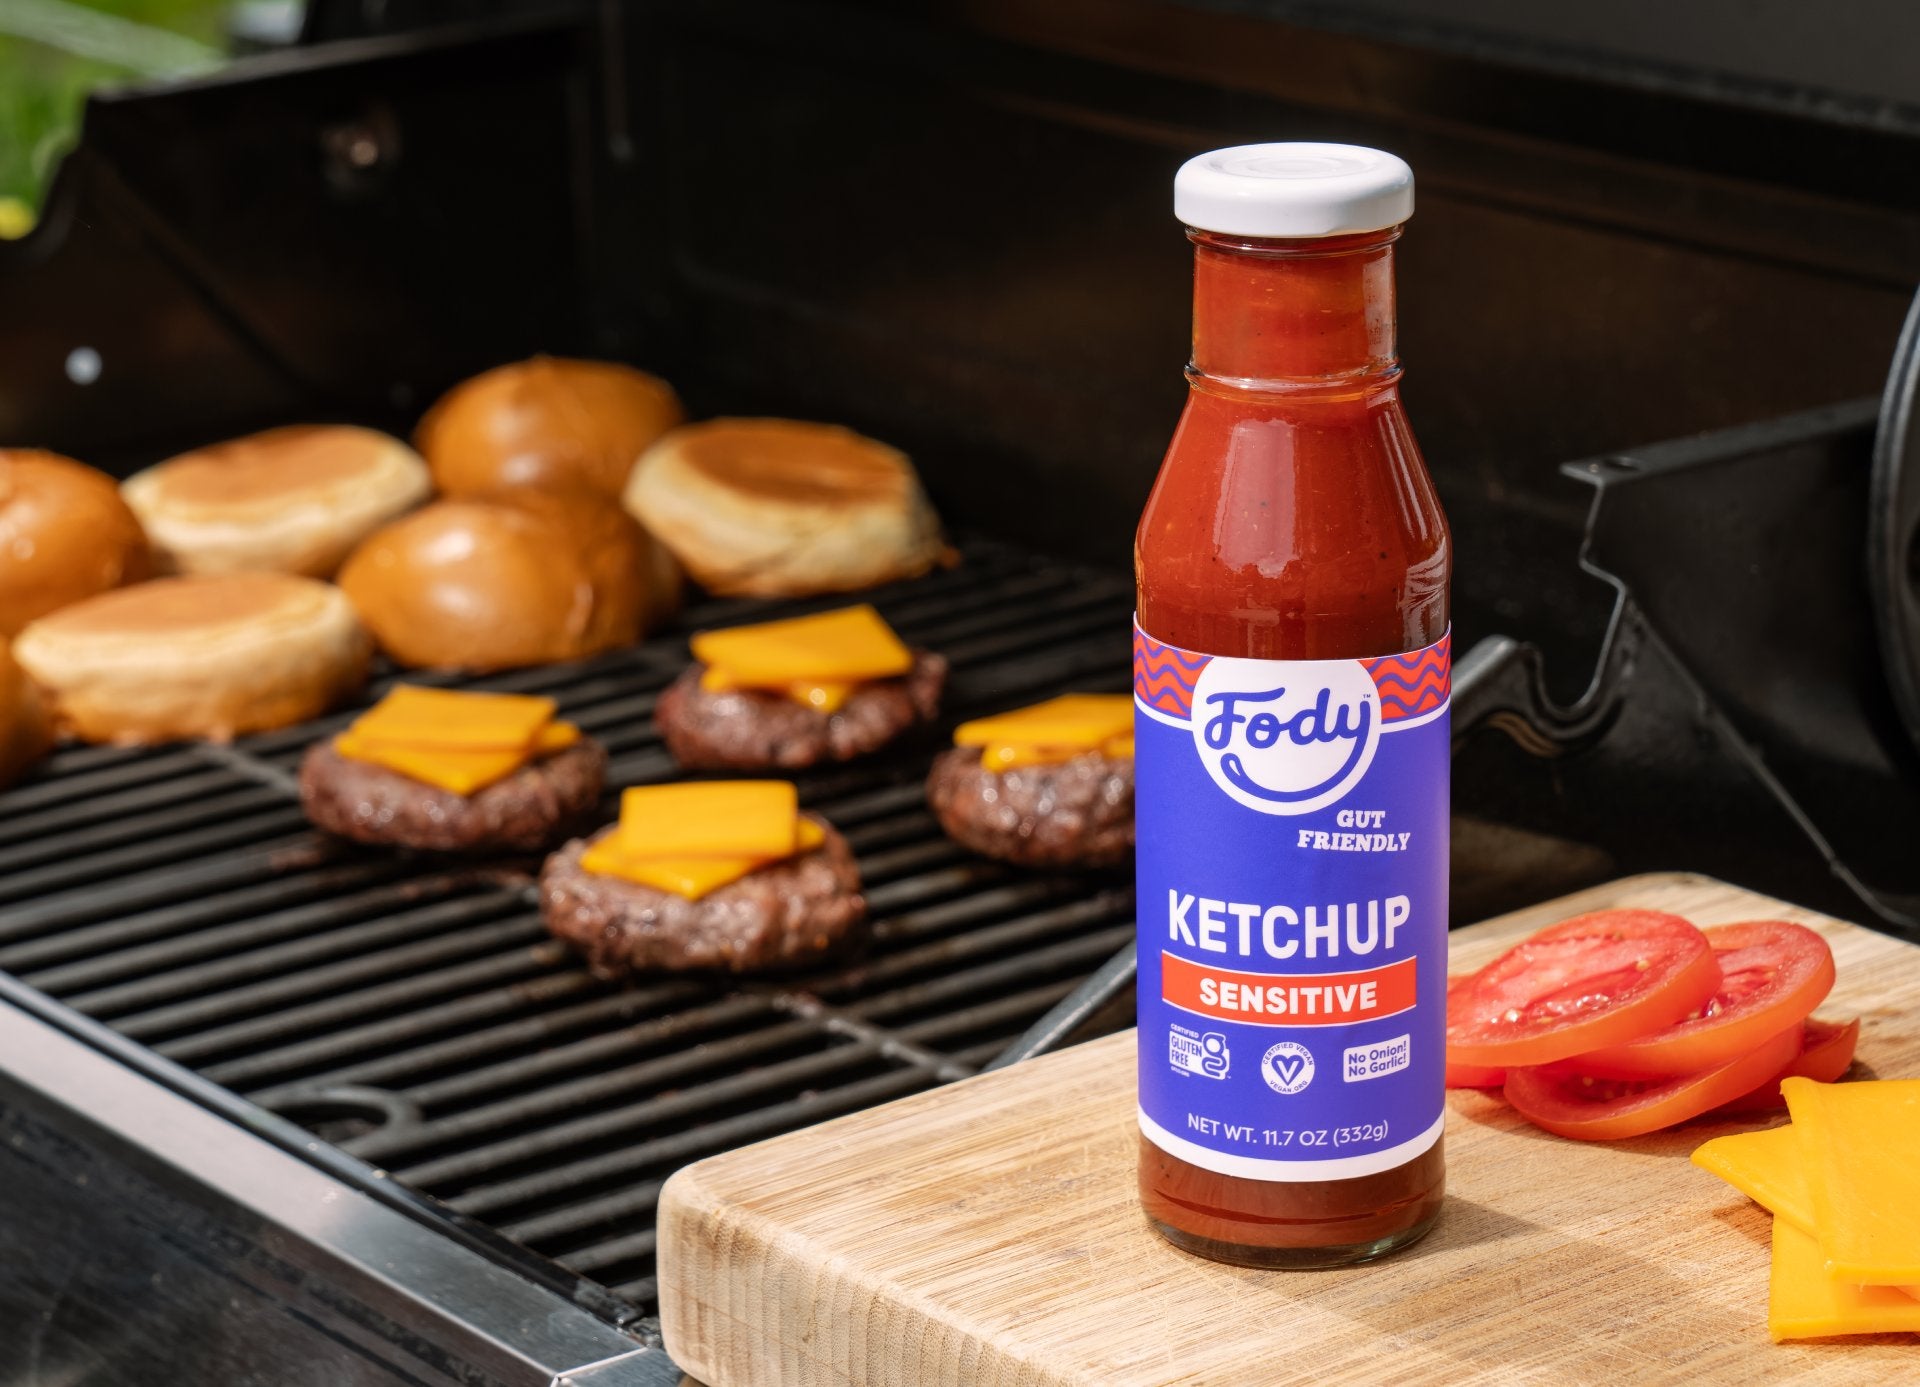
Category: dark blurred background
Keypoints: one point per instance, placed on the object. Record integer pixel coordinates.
(948, 222)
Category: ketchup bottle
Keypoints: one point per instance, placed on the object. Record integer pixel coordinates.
(1291, 682)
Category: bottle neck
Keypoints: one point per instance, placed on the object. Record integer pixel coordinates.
(1293, 314)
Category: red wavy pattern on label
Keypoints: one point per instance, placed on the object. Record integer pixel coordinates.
(1415, 684)
(1164, 675)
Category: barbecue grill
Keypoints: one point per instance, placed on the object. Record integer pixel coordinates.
(416, 1015)
(304, 1112)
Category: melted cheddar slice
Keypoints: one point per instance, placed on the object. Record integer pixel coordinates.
(1803, 1302)
(1006, 756)
(1082, 721)
(462, 772)
(445, 718)
(1765, 1167)
(692, 877)
(1048, 733)
(751, 819)
(828, 698)
(846, 647)
(1857, 1146)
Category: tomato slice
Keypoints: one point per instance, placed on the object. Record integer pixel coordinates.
(1826, 1052)
(1772, 974)
(1474, 1076)
(1570, 1104)
(1466, 1075)
(1585, 983)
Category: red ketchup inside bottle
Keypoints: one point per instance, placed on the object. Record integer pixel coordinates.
(1293, 519)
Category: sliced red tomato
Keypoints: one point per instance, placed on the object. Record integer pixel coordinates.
(1466, 1075)
(1570, 1104)
(1583, 984)
(1772, 974)
(1826, 1052)
(1474, 1076)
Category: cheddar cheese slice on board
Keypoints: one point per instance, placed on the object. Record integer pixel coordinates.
(420, 717)
(849, 646)
(1860, 1150)
(461, 772)
(1765, 1167)
(1803, 1302)
(751, 819)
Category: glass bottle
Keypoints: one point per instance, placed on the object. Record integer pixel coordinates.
(1293, 569)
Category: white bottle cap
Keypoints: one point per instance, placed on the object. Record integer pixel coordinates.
(1293, 190)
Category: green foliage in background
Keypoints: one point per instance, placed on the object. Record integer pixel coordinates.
(53, 52)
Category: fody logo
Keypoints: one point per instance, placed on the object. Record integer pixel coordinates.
(1286, 742)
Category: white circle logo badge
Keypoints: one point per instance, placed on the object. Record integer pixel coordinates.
(1286, 740)
(1287, 1067)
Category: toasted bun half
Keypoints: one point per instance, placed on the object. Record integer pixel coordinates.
(212, 655)
(290, 500)
(26, 731)
(486, 583)
(780, 508)
(546, 422)
(65, 534)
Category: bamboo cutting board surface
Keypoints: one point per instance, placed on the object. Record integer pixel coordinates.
(987, 1235)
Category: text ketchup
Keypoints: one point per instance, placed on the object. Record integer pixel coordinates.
(1292, 679)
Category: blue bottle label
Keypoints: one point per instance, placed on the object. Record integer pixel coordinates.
(1292, 866)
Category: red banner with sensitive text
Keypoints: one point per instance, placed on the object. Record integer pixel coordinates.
(1279, 999)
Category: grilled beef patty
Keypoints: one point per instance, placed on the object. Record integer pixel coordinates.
(790, 913)
(1076, 813)
(526, 811)
(748, 728)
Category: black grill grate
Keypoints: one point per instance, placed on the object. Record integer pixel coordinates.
(415, 1013)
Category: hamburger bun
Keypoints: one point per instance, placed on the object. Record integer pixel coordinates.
(25, 729)
(548, 422)
(65, 534)
(212, 655)
(485, 583)
(780, 508)
(619, 554)
(290, 500)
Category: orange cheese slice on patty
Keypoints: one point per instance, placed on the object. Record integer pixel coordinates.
(454, 740)
(419, 717)
(828, 698)
(693, 839)
(752, 819)
(1057, 730)
(460, 771)
(691, 876)
(816, 660)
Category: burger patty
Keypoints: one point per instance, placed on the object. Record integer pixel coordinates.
(750, 728)
(792, 912)
(527, 810)
(1076, 813)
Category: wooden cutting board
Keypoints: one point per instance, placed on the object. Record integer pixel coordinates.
(987, 1235)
